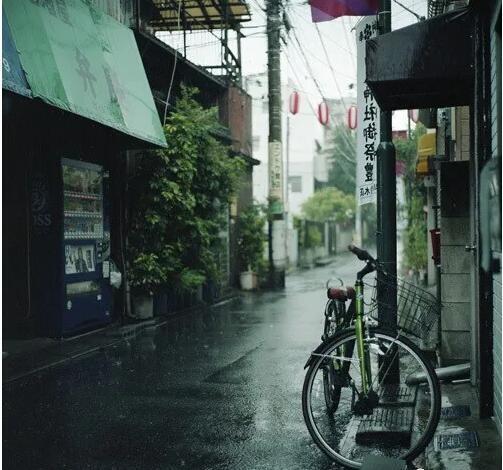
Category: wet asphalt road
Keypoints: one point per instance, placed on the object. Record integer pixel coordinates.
(217, 389)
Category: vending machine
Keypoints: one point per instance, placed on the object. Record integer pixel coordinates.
(70, 217)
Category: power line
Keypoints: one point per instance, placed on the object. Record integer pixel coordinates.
(308, 65)
(298, 84)
(408, 9)
(298, 15)
(330, 65)
(346, 36)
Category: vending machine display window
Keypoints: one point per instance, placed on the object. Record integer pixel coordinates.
(82, 202)
(70, 242)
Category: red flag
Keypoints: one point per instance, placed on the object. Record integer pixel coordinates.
(326, 10)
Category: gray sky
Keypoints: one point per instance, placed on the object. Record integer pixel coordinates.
(338, 39)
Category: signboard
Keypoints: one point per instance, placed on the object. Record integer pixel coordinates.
(83, 61)
(275, 178)
(368, 119)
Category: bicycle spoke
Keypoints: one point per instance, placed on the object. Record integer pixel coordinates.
(339, 432)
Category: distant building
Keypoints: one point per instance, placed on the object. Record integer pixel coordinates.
(305, 132)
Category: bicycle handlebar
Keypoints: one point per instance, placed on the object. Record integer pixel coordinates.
(361, 254)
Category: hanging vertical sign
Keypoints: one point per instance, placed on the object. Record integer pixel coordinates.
(368, 119)
(275, 178)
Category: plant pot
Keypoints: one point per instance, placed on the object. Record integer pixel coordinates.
(143, 306)
(248, 280)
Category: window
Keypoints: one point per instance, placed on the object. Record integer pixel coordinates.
(295, 183)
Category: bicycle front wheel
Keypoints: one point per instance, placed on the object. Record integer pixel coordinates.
(399, 422)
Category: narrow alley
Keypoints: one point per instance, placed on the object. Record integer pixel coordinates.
(215, 389)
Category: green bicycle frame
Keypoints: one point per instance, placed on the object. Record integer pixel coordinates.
(361, 347)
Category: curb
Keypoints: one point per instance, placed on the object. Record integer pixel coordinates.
(115, 336)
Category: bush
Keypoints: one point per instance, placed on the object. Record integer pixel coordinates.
(179, 196)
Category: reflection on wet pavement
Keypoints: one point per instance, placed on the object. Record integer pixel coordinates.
(216, 389)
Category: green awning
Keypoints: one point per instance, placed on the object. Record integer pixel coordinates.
(13, 78)
(81, 60)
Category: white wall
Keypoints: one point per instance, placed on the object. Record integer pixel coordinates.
(305, 171)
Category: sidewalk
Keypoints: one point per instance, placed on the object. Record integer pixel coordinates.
(24, 357)
(463, 442)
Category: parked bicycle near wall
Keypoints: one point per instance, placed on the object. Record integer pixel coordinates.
(369, 389)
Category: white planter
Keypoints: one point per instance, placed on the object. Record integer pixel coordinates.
(143, 306)
(248, 280)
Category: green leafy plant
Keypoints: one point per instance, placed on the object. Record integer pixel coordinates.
(416, 234)
(330, 204)
(179, 196)
(251, 224)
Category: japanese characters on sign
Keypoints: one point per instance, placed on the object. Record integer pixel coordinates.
(368, 119)
(275, 177)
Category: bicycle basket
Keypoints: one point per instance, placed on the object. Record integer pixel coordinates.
(417, 310)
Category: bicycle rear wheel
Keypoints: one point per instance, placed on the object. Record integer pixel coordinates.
(402, 423)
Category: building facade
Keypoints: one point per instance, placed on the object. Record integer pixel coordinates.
(464, 170)
(83, 95)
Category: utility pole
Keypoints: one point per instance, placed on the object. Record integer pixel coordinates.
(386, 209)
(277, 227)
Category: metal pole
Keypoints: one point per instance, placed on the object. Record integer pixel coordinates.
(386, 210)
(277, 260)
(287, 187)
(287, 167)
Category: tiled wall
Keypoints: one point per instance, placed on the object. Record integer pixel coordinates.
(496, 153)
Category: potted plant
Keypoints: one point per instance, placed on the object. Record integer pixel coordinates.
(251, 224)
(145, 278)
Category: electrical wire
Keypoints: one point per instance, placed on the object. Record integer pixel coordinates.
(308, 65)
(298, 84)
(419, 18)
(346, 36)
(309, 69)
(330, 65)
(301, 17)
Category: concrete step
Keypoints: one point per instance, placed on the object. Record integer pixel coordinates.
(397, 395)
(386, 426)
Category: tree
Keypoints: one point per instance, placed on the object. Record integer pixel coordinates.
(341, 154)
(330, 204)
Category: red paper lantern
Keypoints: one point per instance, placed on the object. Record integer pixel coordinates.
(352, 117)
(323, 114)
(294, 102)
(413, 115)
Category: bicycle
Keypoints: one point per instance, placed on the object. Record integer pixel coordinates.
(361, 394)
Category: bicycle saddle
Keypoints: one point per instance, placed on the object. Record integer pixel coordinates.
(341, 293)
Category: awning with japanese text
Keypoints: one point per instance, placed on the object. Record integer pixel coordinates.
(13, 78)
(81, 60)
